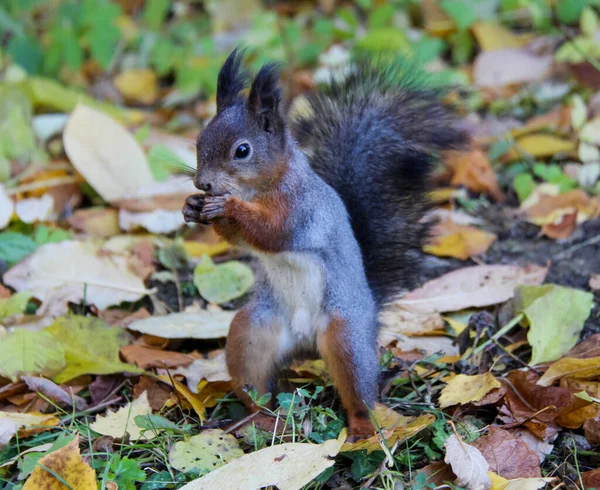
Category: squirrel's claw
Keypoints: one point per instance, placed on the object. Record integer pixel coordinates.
(204, 209)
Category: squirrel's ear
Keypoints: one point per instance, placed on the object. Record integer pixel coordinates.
(232, 80)
(264, 98)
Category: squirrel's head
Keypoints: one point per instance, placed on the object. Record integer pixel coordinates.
(243, 150)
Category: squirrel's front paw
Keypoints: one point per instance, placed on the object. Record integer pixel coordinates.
(204, 209)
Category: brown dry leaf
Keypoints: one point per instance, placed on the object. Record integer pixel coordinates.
(458, 241)
(591, 479)
(66, 463)
(139, 85)
(541, 145)
(557, 120)
(399, 428)
(548, 209)
(464, 389)
(590, 347)
(438, 473)
(54, 392)
(158, 392)
(491, 36)
(473, 170)
(571, 368)
(477, 286)
(507, 455)
(207, 396)
(96, 222)
(502, 67)
(591, 429)
(146, 358)
(467, 463)
(11, 422)
(562, 229)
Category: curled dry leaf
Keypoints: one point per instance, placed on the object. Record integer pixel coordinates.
(499, 483)
(68, 464)
(507, 455)
(571, 368)
(54, 392)
(116, 424)
(206, 324)
(462, 389)
(548, 209)
(458, 241)
(213, 369)
(288, 466)
(473, 170)
(105, 153)
(70, 270)
(468, 464)
(11, 422)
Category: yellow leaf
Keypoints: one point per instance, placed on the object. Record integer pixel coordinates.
(499, 483)
(207, 396)
(401, 428)
(138, 85)
(491, 36)
(68, 464)
(571, 368)
(115, 424)
(11, 422)
(198, 249)
(542, 145)
(465, 389)
(459, 241)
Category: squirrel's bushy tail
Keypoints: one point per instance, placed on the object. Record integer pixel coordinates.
(374, 137)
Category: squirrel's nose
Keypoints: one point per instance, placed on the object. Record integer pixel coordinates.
(203, 187)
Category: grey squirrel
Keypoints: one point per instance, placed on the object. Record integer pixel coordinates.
(331, 204)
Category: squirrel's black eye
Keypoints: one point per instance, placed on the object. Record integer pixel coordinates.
(242, 151)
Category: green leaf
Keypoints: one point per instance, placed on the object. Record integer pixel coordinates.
(155, 12)
(463, 47)
(385, 39)
(523, 184)
(461, 11)
(207, 451)
(569, 11)
(588, 21)
(554, 175)
(15, 304)
(90, 347)
(223, 282)
(15, 246)
(26, 52)
(27, 352)
(427, 48)
(45, 234)
(381, 16)
(173, 256)
(499, 148)
(155, 422)
(125, 472)
(555, 315)
(163, 161)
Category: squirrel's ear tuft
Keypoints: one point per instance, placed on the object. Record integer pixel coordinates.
(265, 96)
(232, 80)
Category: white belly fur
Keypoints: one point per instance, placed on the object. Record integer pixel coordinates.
(297, 280)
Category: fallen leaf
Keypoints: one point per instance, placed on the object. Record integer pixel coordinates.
(541, 145)
(590, 132)
(157, 221)
(491, 36)
(7, 208)
(214, 369)
(438, 473)
(116, 424)
(207, 324)
(11, 422)
(205, 452)
(105, 153)
(458, 241)
(145, 358)
(68, 464)
(71, 270)
(464, 389)
(571, 368)
(555, 315)
(288, 466)
(96, 222)
(395, 428)
(549, 209)
(473, 170)
(562, 229)
(591, 430)
(467, 463)
(198, 249)
(158, 392)
(223, 282)
(35, 209)
(509, 66)
(468, 287)
(54, 392)
(499, 483)
(14, 305)
(591, 479)
(26, 352)
(590, 347)
(507, 455)
(138, 85)
(90, 347)
(541, 448)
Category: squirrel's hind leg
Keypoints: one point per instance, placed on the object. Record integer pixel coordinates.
(351, 359)
(252, 352)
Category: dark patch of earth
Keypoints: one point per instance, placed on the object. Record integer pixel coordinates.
(572, 261)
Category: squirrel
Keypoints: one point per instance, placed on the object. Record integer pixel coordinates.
(331, 203)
